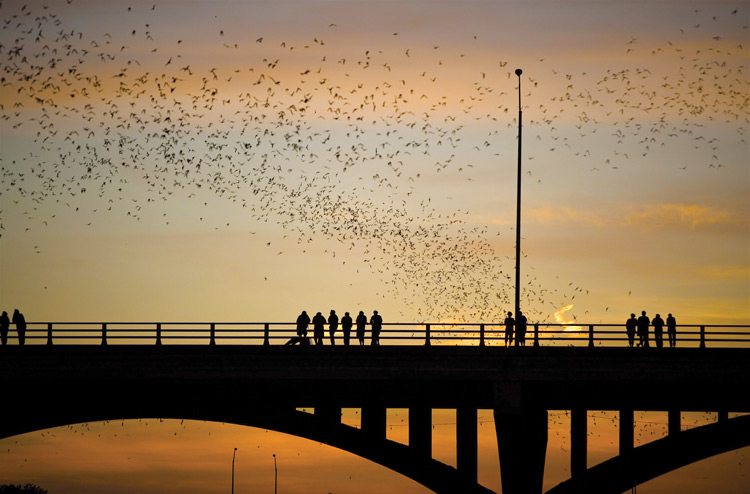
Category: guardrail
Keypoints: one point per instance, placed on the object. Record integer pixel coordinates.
(446, 334)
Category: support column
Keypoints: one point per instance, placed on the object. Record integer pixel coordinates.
(723, 416)
(626, 431)
(420, 430)
(328, 414)
(521, 441)
(578, 442)
(466, 442)
(373, 421)
(673, 422)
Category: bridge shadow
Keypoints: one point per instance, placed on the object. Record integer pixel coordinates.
(656, 458)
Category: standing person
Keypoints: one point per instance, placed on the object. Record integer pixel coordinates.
(521, 329)
(346, 326)
(319, 323)
(630, 326)
(642, 325)
(658, 323)
(377, 324)
(303, 321)
(361, 323)
(333, 325)
(509, 323)
(672, 330)
(20, 323)
(4, 325)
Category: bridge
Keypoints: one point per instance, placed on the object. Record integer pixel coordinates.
(242, 373)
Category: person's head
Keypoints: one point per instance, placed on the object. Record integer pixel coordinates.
(346, 313)
(657, 315)
(643, 312)
(510, 314)
(375, 312)
(5, 313)
(318, 314)
(669, 315)
(333, 311)
(361, 313)
(304, 313)
(632, 315)
(15, 311)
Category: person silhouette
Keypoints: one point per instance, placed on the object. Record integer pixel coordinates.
(630, 326)
(672, 330)
(346, 326)
(521, 329)
(318, 327)
(658, 323)
(509, 323)
(642, 325)
(4, 325)
(303, 321)
(20, 323)
(361, 323)
(376, 321)
(333, 325)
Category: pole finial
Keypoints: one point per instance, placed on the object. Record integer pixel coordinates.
(519, 72)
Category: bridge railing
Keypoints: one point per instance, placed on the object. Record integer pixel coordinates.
(439, 333)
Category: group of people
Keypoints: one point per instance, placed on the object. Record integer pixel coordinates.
(20, 323)
(640, 327)
(517, 326)
(347, 323)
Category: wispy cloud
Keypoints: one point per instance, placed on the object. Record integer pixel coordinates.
(683, 216)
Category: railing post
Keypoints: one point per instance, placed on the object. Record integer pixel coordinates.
(427, 335)
(266, 338)
(158, 333)
(213, 334)
(591, 335)
(481, 335)
(104, 333)
(536, 334)
(703, 337)
(49, 333)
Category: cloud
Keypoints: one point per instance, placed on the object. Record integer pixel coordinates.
(561, 215)
(561, 319)
(683, 216)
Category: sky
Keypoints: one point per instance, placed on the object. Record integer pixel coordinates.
(242, 161)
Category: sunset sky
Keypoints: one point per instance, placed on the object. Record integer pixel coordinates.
(242, 161)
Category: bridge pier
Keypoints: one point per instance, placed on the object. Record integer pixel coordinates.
(329, 415)
(673, 422)
(578, 442)
(466, 442)
(521, 429)
(373, 421)
(626, 431)
(420, 430)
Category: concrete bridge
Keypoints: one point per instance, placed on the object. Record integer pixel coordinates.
(264, 386)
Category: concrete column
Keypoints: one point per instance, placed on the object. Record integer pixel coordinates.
(673, 422)
(420, 430)
(522, 446)
(373, 421)
(466, 442)
(330, 415)
(626, 431)
(723, 416)
(578, 442)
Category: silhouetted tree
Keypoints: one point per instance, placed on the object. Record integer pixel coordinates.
(19, 489)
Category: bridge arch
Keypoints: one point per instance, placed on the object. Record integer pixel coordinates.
(648, 461)
(400, 458)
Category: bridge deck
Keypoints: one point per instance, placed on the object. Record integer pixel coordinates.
(393, 376)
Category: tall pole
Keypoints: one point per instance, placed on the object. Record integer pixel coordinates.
(275, 476)
(234, 454)
(518, 206)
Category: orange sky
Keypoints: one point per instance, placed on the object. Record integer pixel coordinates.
(372, 166)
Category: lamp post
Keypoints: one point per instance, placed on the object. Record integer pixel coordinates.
(234, 454)
(518, 206)
(275, 476)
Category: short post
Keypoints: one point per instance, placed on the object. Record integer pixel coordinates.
(591, 335)
(158, 333)
(49, 333)
(212, 334)
(481, 335)
(703, 337)
(427, 335)
(536, 334)
(104, 333)
(266, 337)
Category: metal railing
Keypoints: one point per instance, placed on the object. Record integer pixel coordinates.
(413, 334)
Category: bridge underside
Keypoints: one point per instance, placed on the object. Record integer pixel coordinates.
(262, 386)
